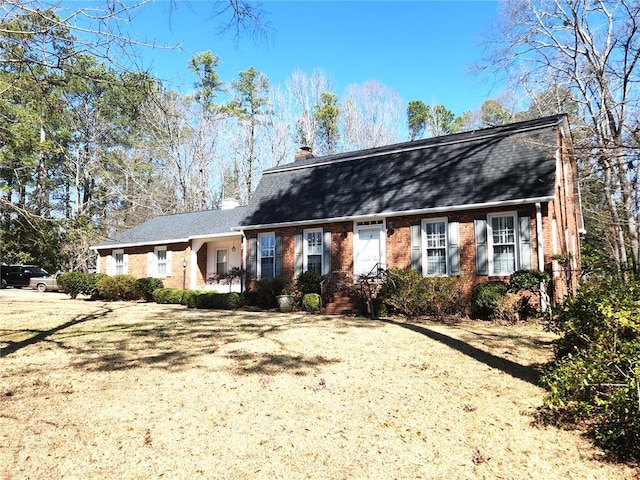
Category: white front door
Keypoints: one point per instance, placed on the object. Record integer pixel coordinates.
(368, 249)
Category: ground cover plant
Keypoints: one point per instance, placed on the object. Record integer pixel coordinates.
(135, 390)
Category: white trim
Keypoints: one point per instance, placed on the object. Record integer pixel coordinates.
(156, 262)
(165, 241)
(115, 262)
(356, 240)
(225, 249)
(516, 241)
(259, 254)
(540, 238)
(305, 248)
(423, 211)
(423, 253)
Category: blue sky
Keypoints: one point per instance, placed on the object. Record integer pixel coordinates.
(421, 49)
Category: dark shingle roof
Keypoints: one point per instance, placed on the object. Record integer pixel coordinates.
(488, 166)
(178, 228)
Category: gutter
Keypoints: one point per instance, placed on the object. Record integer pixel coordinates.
(422, 211)
(162, 242)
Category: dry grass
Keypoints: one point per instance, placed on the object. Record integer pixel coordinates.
(125, 390)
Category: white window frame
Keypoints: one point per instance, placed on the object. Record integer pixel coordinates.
(115, 254)
(261, 237)
(226, 250)
(156, 262)
(516, 242)
(367, 225)
(425, 247)
(305, 248)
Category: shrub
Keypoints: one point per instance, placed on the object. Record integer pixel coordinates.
(508, 308)
(486, 296)
(444, 295)
(147, 285)
(118, 287)
(267, 289)
(595, 374)
(308, 282)
(221, 301)
(528, 280)
(89, 284)
(168, 295)
(403, 292)
(72, 282)
(311, 302)
(189, 297)
(407, 292)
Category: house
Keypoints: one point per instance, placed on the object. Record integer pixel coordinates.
(185, 250)
(479, 204)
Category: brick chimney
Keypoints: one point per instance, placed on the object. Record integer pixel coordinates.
(303, 154)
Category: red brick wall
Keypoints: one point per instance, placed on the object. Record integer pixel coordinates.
(137, 262)
(398, 244)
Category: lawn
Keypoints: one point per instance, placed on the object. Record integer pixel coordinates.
(139, 391)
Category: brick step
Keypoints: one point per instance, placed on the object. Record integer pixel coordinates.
(339, 305)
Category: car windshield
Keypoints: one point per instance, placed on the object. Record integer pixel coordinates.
(39, 272)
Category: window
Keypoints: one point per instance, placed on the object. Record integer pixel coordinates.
(222, 262)
(313, 251)
(503, 242)
(369, 247)
(266, 255)
(161, 262)
(435, 244)
(118, 260)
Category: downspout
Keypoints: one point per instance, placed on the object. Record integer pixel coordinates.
(245, 277)
(540, 242)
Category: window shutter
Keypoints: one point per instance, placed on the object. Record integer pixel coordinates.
(454, 248)
(278, 258)
(416, 247)
(169, 265)
(525, 241)
(125, 263)
(109, 265)
(150, 270)
(253, 258)
(299, 260)
(326, 253)
(482, 261)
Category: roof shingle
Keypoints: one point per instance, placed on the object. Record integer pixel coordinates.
(500, 164)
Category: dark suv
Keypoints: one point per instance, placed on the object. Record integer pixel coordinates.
(19, 275)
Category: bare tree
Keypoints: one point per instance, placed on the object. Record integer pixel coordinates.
(372, 115)
(306, 92)
(591, 48)
(100, 28)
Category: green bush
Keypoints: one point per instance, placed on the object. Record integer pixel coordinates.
(189, 297)
(147, 285)
(89, 284)
(311, 302)
(267, 289)
(594, 377)
(169, 295)
(529, 280)
(308, 282)
(220, 301)
(118, 287)
(486, 296)
(72, 282)
(407, 292)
